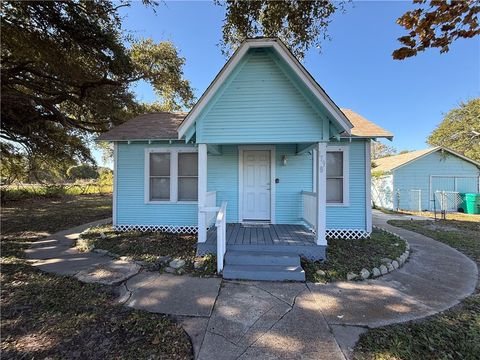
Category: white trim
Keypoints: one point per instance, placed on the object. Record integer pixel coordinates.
(241, 149)
(345, 149)
(314, 170)
(173, 151)
(202, 192)
(321, 194)
(176, 229)
(348, 234)
(287, 56)
(368, 187)
(115, 183)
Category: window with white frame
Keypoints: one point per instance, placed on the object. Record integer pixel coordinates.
(159, 176)
(171, 175)
(187, 176)
(337, 176)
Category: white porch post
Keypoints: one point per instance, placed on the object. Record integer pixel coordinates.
(321, 170)
(202, 192)
(368, 187)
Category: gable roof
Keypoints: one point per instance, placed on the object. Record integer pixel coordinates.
(363, 127)
(164, 126)
(390, 163)
(153, 126)
(289, 58)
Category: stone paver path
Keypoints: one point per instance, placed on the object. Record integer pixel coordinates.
(250, 320)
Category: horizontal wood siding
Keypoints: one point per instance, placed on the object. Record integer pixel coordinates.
(131, 207)
(259, 104)
(293, 177)
(416, 175)
(222, 175)
(352, 216)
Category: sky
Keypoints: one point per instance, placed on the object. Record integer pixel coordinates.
(355, 67)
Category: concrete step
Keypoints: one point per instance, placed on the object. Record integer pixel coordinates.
(261, 258)
(264, 272)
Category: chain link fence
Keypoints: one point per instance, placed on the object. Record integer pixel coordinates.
(409, 199)
(418, 200)
(446, 201)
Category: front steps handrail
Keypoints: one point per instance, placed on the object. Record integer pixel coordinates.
(221, 225)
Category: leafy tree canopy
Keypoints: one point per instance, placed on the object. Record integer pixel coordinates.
(380, 150)
(82, 172)
(67, 74)
(16, 166)
(300, 24)
(303, 24)
(460, 130)
(437, 25)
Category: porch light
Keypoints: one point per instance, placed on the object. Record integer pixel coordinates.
(284, 160)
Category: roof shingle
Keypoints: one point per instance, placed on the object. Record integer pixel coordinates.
(389, 163)
(363, 127)
(153, 126)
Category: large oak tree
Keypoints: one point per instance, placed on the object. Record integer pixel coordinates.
(67, 74)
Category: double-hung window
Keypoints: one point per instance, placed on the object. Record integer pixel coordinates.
(159, 176)
(187, 176)
(171, 175)
(337, 175)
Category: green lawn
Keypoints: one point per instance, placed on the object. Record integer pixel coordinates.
(48, 316)
(454, 334)
(345, 256)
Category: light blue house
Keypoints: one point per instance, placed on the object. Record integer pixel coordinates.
(265, 155)
(424, 180)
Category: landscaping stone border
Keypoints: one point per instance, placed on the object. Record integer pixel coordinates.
(388, 265)
(169, 265)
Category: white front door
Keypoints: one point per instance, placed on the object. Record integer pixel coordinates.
(256, 185)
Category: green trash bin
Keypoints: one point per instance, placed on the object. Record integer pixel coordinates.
(470, 203)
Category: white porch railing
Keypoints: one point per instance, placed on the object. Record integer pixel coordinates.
(221, 224)
(309, 215)
(210, 203)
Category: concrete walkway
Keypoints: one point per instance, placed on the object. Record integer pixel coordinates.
(247, 320)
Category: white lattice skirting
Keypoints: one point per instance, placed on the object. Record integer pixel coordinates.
(349, 234)
(176, 229)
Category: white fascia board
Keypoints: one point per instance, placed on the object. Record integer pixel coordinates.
(286, 55)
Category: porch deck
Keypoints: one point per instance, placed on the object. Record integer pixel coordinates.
(285, 238)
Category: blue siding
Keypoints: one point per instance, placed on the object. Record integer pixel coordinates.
(352, 216)
(223, 178)
(260, 103)
(294, 177)
(416, 175)
(131, 207)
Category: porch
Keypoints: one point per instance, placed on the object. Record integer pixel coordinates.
(290, 239)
